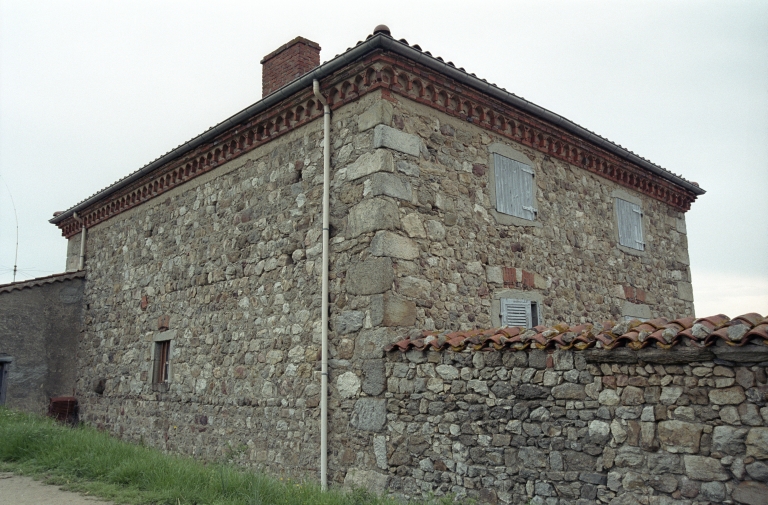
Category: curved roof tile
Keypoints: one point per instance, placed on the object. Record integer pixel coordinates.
(749, 328)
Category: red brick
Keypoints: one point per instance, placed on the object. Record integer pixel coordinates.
(528, 279)
(288, 62)
(163, 322)
(510, 277)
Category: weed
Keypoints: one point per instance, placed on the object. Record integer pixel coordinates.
(87, 460)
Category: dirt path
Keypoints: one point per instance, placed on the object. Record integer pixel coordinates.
(18, 490)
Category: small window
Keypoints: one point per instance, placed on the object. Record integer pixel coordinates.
(5, 363)
(629, 217)
(162, 362)
(515, 190)
(522, 313)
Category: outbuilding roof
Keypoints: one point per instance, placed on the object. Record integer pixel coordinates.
(40, 281)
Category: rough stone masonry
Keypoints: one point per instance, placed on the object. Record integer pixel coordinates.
(572, 427)
(226, 268)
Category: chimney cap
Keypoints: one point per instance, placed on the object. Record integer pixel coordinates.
(382, 29)
(297, 40)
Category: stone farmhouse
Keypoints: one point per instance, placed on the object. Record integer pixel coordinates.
(454, 207)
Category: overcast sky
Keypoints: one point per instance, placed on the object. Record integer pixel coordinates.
(91, 91)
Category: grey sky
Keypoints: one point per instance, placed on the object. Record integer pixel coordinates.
(91, 91)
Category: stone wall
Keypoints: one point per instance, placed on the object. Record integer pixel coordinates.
(227, 268)
(451, 248)
(39, 329)
(569, 427)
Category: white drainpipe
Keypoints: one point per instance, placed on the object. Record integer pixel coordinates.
(324, 309)
(81, 264)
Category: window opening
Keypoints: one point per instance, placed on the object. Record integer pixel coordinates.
(5, 364)
(162, 361)
(522, 313)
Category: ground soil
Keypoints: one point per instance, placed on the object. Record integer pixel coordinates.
(19, 490)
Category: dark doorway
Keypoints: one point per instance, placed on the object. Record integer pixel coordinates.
(5, 364)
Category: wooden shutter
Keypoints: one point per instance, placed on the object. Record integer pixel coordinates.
(515, 312)
(535, 314)
(629, 218)
(514, 188)
(156, 372)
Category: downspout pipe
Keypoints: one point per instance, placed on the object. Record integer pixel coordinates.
(81, 263)
(324, 306)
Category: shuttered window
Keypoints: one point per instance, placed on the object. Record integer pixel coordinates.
(522, 313)
(514, 188)
(629, 218)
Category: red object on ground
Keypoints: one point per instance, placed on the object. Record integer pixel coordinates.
(64, 409)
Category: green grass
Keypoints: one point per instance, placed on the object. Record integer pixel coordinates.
(86, 460)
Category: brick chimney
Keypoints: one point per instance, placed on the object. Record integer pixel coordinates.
(288, 62)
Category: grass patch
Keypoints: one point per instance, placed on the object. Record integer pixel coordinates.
(86, 460)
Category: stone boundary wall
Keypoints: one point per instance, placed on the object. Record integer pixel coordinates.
(572, 427)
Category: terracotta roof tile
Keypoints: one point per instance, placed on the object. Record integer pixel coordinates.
(749, 328)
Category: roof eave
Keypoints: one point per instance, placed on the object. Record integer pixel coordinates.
(380, 41)
(533, 109)
(279, 95)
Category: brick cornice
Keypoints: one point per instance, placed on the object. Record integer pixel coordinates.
(428, 87)
(394, 75)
